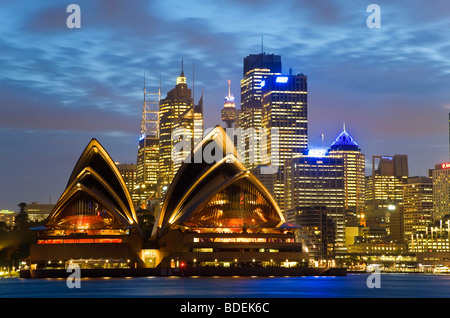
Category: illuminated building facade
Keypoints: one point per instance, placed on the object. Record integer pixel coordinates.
(383, 247)
(354, 171)
(441, 191)
(147, 164)
(434, 241)
(93, 222)
(128, 173)
(176, 111)
(38, 211)
(218, 214)
(373, 241)
(317, 180)
(284, 124)
(190, 124)
(256, 66)
(384, 189)
(284, 107)
(7, 216)
(417, 205)
(147, 171)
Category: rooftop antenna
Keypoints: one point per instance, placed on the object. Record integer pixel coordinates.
(203, 101)
(262, 43)
(193, 81)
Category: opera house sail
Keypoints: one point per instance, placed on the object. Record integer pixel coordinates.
(216, 213)
(94, 222)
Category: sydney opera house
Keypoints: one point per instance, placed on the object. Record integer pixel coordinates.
(215, 215)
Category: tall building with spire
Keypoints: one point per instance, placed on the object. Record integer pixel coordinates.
(229, 111)
(178, 118)
(354, 171)
(330, 180)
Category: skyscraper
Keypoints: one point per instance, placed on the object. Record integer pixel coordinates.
(128, 173)
(354, 171)
(384, 189)
(256, 66)
(177, 115)
(441, 191)
(417, 205)
(146, 170)
(284, 107)
(284, 124)
(147, 164)
(191, 123)
(314, 181)
(229, 111)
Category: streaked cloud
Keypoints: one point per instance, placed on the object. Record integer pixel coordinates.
(62, 85)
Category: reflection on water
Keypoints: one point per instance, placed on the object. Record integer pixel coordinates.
(351, 286)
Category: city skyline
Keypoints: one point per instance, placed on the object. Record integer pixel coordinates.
(61, 87)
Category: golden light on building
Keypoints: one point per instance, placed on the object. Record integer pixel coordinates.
(354, 170)
(177, 113)
(441, 191)
(417, 205)
(256, 66)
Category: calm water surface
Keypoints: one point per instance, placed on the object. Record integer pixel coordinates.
(351, 286)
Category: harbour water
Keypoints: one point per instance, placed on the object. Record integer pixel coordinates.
(350, 286)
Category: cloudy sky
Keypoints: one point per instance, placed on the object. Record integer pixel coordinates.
(60, 87)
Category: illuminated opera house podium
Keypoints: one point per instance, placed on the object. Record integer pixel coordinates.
(93, 223)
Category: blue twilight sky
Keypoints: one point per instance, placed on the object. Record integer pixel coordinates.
(60, 87)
